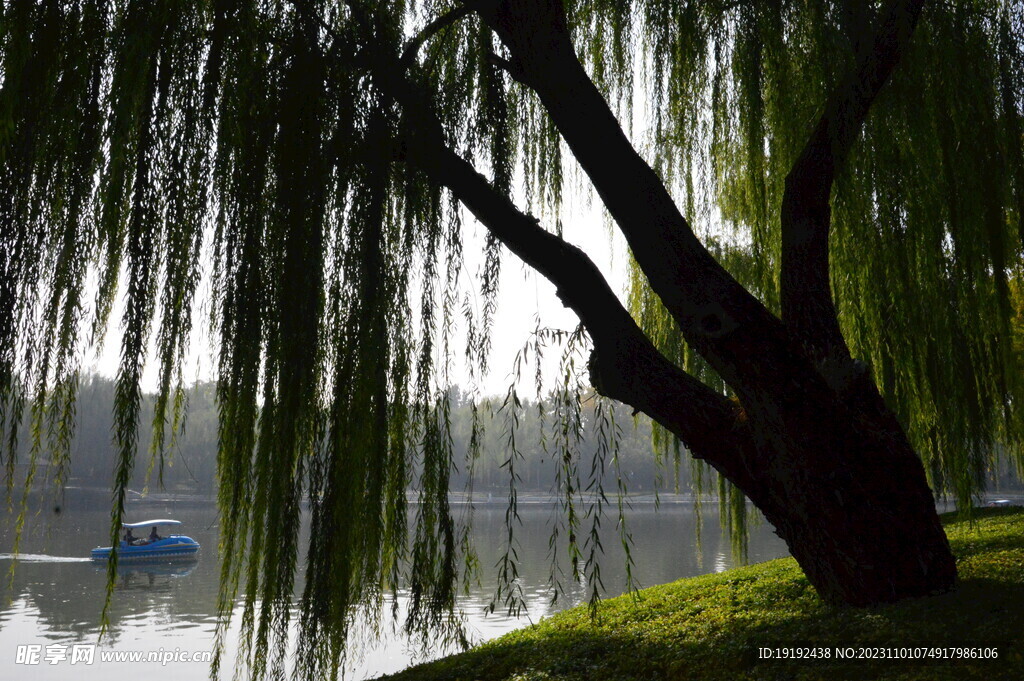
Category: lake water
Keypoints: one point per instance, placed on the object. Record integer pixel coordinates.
(56, 594)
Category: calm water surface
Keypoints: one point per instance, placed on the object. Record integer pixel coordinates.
(57, 593)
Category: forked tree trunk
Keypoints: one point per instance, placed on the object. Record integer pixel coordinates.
(813, 445)
(808, 439)
(833, 473)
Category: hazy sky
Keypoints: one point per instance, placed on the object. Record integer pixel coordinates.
(523, 296)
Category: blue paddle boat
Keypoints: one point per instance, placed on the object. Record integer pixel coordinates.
(151, 548)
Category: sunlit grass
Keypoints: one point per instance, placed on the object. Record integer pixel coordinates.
(709, 627)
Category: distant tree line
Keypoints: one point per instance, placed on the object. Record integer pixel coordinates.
(554, 441)
(543, 453)
(190, 462)
(540, 454)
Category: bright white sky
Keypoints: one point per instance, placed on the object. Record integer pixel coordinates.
(523, 296)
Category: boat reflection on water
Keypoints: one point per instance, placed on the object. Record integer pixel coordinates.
(149, 575)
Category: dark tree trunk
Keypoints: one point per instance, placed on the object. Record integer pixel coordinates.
(829, 466)
(856, 511)
(868, 536)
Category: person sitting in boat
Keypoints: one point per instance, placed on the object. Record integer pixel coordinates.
(153, 536)
(129, 538)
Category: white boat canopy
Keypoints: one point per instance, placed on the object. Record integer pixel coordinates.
(150, 523)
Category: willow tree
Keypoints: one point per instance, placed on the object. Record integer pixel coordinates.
(822, 199)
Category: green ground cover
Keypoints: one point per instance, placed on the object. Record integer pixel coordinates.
(710, 627)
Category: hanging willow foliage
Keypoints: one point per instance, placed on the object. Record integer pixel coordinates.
(927, 214)
(141, 139)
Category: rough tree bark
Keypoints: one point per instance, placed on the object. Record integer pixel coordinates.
(811, 441)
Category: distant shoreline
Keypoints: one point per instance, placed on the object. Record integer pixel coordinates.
(76, 494)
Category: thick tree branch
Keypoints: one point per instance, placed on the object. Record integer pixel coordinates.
(542, 57)
(807, 306)
(625, 365)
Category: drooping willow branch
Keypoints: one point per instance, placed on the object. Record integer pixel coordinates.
(439, 24)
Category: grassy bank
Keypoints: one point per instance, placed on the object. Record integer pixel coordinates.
(709, 627)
